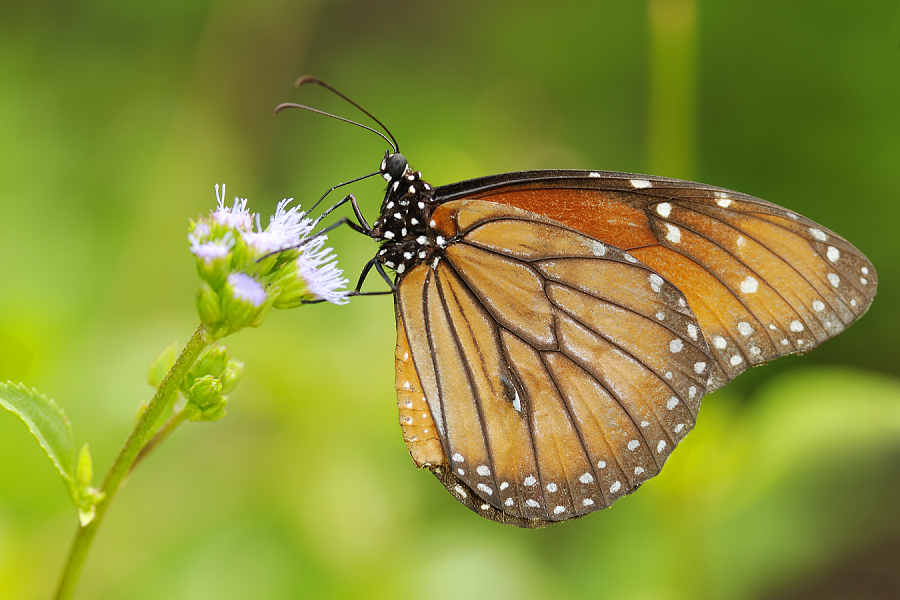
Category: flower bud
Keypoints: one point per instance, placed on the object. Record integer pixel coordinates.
(208, 306)
(205, 391)
(232, 376)
(244, 300)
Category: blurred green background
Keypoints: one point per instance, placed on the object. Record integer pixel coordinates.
(116, 119)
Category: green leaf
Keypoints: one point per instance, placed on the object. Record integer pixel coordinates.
(47, 423)
(161, 365)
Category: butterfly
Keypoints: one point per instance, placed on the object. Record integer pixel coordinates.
(556, 330)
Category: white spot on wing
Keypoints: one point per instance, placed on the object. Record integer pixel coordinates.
(796, 326)
(633, 444)
(673, 234)
(833, 279)
(586, 478)
(749, 285)
(818, 234)
(530, 480)
(457, 457)
(640, 184)
(818, 305)
(692, 331)
(615, 487)
(485, 489)
(532, 503)
(588, 502)
(660, 446)
(719, 342)
(656, 282)
(483, 470)
(676, 345)
(699, 367)
(833, 254)
(664, 209)
(638, 470)
(559, 510)
(736, 360)
(672, 403)
(745, 328)
(551, 487)
(601, 464)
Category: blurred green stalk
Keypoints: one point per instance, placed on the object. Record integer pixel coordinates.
(672, 119)
(140, 435)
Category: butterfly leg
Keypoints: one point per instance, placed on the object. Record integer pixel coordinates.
(365, 273)
(362, 226)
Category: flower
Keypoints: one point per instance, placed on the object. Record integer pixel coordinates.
(247, 270)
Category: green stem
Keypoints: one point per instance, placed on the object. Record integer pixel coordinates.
(168, 427)
(161, 402)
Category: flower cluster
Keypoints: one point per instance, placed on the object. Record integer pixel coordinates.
(205, 386)
(246, 270)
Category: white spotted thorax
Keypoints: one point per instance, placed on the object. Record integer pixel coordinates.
(404, 225)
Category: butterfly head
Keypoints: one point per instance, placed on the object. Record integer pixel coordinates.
(394, 166)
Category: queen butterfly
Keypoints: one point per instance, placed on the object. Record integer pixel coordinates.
(556, 330)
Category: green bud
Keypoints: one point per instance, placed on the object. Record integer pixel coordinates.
(233, 373)
(293, 289)
(212, 361)
(245, 302)
(205, 391)
(214, 412)
(208, 306)
(161, 365)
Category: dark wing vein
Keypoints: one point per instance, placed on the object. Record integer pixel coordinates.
(466, 361)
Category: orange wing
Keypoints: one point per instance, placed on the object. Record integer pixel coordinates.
(762, 281)
(558, 372)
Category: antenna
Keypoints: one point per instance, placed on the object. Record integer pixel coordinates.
(306, 80)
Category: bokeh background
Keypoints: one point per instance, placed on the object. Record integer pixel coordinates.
(116, 120)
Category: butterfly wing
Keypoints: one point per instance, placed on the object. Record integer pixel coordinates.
(541, 374)
(763, 281)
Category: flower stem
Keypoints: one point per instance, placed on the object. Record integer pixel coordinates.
(143, 429)
(162, 433)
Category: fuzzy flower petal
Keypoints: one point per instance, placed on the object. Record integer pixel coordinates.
(286, 230)
(210, 251)
(319, 269)
(237, 217)
(246, 288)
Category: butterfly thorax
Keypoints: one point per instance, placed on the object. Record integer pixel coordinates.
(403, 227)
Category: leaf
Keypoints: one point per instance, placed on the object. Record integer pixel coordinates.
(162, 364)
(47, 423)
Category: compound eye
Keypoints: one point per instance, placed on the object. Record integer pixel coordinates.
(394, 166)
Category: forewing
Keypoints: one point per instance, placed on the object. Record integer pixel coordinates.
(762, 281)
